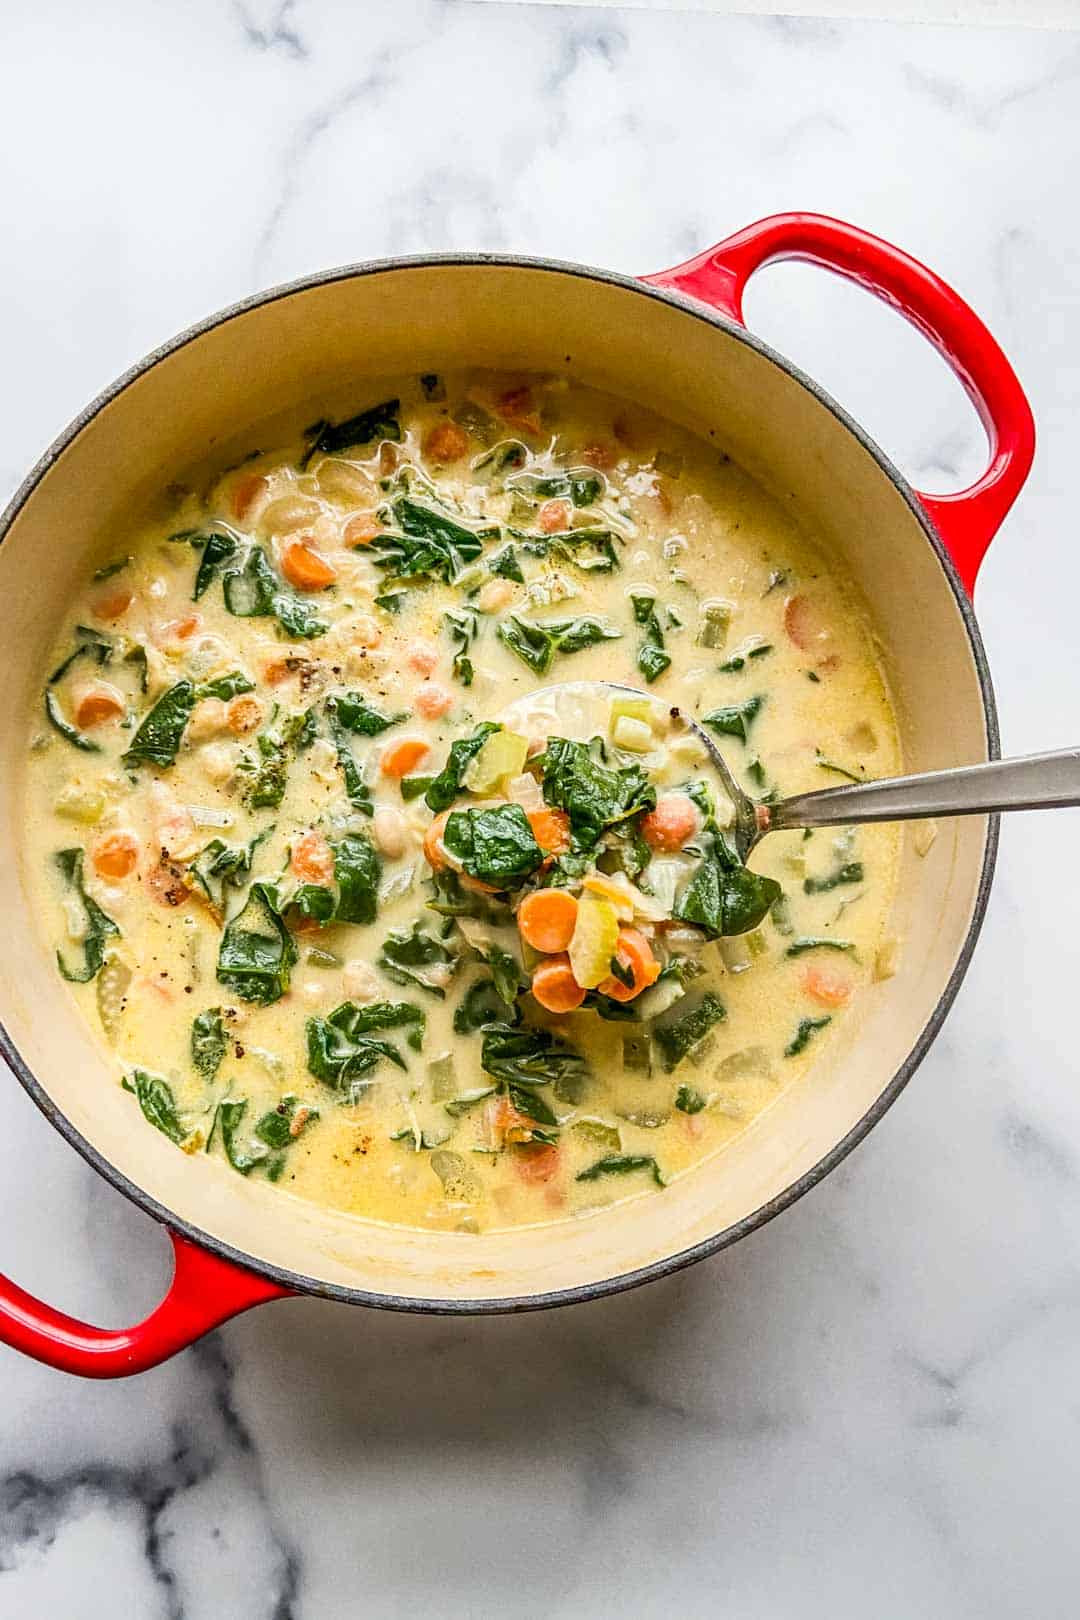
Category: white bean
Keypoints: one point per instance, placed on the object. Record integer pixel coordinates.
(389, 832)
(360, 981)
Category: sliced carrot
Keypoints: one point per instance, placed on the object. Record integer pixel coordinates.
(827, 986)
(536, 1162)
(113, 603)
(553, 517)
(447, 441)
(672, 824)
(177, 629)
(634, 952)
(96, 704)
(401, 758)
(243, 715)
(361, 529)
(305, 569)
(432, 699)
(245, 492)
(517, 407)
(551, 829)
(554, 985)
(313, 859)
(115, 855)
(546, 919)
(432, 849)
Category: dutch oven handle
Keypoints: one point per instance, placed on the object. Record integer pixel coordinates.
(205, 1291)
(968, 520)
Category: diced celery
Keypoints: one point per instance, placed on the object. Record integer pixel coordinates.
(598, 1133)
(642, 709)
(502, 756)
(756, 942)
(752, 1063)
(112, 984)
(85, 805)
(596, 934)
(715, 622)
(736, 954)
(441, 1075)
(633, 735)
(637, 1052)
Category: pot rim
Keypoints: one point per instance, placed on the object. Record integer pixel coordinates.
(296, 1282)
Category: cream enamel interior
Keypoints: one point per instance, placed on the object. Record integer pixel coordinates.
(313, 349)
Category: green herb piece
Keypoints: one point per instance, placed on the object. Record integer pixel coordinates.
(447, 785)
(505, 565)
(825, 764)
(496, 845)
(255, 592)
(155, 1098)
(392, 601)
(849, 872)
(621, 1164)
(594, 795)
(432, 385)
(98, 925)
(582, 486)
(814, 942)
(689, 1101)
(414, 787)
(481, 1004)
(111, 568)
(462, 625)
(652, 660)
(280, 1128)
(807, 1028)
(266, 788)
(340, 1048)
(70, 733)
(507, 455)
(812, 675)
(414, 956)
(592, 549)
(677, 1038)
(312, 901)
(137, 655)
(378, 422)
(427, 539)
(159, 736)
(724, 897)
(355, 713)
(537, 641)
(244, 1158)
(208, 1042)
(356, 789)
(735, 720)
(220, 866)
(257, 951)
(88, 644)
(357, 869)
(225, 686)
(217, 550)
(529, 1057)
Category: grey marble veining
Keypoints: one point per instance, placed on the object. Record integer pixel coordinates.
(865, 1408)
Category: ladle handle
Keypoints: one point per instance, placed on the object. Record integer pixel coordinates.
(1038, 782)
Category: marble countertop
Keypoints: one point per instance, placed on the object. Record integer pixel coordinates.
(869, 1406)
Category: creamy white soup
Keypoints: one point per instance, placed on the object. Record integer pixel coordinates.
(366, 912)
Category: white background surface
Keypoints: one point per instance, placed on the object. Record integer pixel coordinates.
(1025, 13)
(869, 1407)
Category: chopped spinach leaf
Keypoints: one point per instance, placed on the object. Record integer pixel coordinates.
(462, 625)
(155, 1098)
(595, 796)
(689, 1101)
(217, 550)
(97, 924)
(222, 865)
(242, 1157)
(70, 733)
(255, 592)
(284, 1124)
(529, 1057)
(848, 872)
(496, 845)
(528, 1102)
(257, 951)
(579, 485)
(354, 713)
(504, 563)
(676, 1038)
(621, 1164)
(413, 787)
(652, 660)
(427, 539)
(807, 1028)
(357, 869)
(481, 1004)
(159, 736)
(208, 1042)
(340, 1049)
(356, 789)
(724, 897)
(736, 719)
(592, 549)
(537, 641)
(225, 686)
(447, 785)
(414, 956)
(378, 422)
(88, 644)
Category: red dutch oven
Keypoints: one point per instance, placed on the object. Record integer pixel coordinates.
(675, 341)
